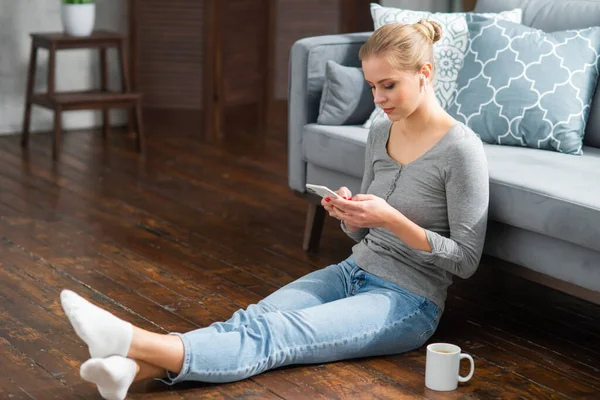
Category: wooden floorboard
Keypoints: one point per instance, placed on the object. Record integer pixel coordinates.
(193, 231)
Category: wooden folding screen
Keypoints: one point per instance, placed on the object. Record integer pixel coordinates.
(215, 55)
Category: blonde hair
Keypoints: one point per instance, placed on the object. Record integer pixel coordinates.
(406, 46)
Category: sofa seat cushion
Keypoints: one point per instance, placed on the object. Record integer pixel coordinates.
(339, 148)
(554, 194)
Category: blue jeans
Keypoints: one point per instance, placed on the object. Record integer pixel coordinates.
(338, 312)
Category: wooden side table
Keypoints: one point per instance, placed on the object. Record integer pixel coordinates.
(80, 100)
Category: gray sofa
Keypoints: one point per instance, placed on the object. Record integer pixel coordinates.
(544, 206)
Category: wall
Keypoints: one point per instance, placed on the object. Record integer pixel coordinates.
(425, 5)
(75, 69)
(296, 19)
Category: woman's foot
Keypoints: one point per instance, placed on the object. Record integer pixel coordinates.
(113, 375)
(105, 334)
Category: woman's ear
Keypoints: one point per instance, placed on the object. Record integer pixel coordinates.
(427, 70)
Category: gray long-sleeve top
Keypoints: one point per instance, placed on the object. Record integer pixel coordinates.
(446, 192)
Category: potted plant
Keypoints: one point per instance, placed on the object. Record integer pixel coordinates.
(78, 17)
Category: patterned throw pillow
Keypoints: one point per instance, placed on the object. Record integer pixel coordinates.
(521, 86)
(375, 115)
(448, 53)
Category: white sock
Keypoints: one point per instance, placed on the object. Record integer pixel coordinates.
(113, 375)
(105, 334)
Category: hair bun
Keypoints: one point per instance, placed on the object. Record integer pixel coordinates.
(432, 29)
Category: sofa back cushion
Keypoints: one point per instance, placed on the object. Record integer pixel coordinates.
(552, 16)
(522, 86)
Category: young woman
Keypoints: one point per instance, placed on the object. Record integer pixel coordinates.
(420, 219)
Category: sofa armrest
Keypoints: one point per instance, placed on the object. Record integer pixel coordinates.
(306, 76)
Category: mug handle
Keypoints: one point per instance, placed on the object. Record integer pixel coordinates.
(468, 357)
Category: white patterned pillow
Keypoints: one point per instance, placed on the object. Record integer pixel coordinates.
(375, 115)
(449, 53)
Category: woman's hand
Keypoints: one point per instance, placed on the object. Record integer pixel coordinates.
(334, 212)
(362, 211)
(326, 202)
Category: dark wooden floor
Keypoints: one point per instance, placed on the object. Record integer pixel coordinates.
(192, 232)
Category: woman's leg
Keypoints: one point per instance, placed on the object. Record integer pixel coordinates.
(318, 287)
(108, 335)
(148, 371)
(377, 318)
(164, 351)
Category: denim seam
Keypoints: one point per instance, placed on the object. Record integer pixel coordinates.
(354, 271)
(188, 355)
(351, 289)
(313, 346)
(431, 328)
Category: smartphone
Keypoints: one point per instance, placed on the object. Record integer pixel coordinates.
(322, 191)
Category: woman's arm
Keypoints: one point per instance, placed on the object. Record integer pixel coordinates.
(407, 231)
(467, 197)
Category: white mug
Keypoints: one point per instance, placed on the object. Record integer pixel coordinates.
(442, 366)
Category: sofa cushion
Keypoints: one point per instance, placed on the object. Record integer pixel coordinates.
(547, 192)
(347, 98)
(375, 115)
(339, 148)
(521, 86)
(552, 16)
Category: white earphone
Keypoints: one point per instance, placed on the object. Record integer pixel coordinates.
(424, 82)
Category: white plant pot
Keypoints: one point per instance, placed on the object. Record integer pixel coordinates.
(78, 19)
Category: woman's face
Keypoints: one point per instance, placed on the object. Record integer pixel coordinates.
(397, 92)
